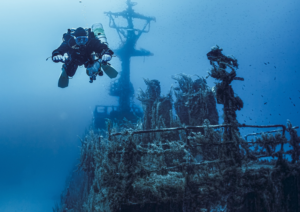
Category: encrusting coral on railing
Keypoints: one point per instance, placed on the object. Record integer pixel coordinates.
(184, 161)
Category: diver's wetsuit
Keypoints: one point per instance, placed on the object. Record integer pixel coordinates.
(80, 55)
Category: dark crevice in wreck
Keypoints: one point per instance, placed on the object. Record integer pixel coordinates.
(178, 158)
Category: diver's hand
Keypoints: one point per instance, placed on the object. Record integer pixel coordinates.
(106, 57)
(58, 58)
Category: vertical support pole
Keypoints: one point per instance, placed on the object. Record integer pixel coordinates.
(187, 136)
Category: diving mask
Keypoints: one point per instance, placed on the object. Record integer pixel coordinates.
(81, 40)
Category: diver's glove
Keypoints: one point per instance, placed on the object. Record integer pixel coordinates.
(58, 58)
(106, 57)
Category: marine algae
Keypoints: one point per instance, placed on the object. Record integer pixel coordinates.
(163, 164)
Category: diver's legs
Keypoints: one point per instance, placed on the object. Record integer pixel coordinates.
(70, 68)
(63, 80)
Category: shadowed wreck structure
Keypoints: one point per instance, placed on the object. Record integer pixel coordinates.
(129, 36)
(122, 87)
(180, 159)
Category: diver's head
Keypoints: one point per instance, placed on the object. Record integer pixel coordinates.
(80, 36)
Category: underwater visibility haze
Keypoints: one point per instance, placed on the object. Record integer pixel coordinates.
(41, 124)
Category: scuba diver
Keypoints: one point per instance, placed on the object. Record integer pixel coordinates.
(86, 47)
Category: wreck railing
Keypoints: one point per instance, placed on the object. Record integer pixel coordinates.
(189, 165)
(186, 128)
(202, 127)
(272, 131)
(172, 129)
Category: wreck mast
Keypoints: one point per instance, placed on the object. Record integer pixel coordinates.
(129, 36)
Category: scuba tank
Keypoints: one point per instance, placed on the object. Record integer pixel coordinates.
(95, 69)
(99, 33)
(92, 71)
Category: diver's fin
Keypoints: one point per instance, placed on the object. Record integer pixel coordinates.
(63, 80)
(109, 70)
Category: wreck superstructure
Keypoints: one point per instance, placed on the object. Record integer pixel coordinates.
(122, 87)
(129, 36)
(184, 160)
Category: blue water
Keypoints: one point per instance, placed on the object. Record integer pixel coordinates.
(40, 123)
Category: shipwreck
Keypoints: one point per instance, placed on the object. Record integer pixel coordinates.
(179, 158)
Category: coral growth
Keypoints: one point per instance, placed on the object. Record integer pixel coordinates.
(167, 163)
(156, 108)
(195, 101)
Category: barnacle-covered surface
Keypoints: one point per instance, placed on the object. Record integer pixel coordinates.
(161, 164)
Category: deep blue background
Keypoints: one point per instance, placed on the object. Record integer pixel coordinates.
(39, 123)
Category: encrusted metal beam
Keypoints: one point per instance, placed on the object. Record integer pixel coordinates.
(197, 127)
